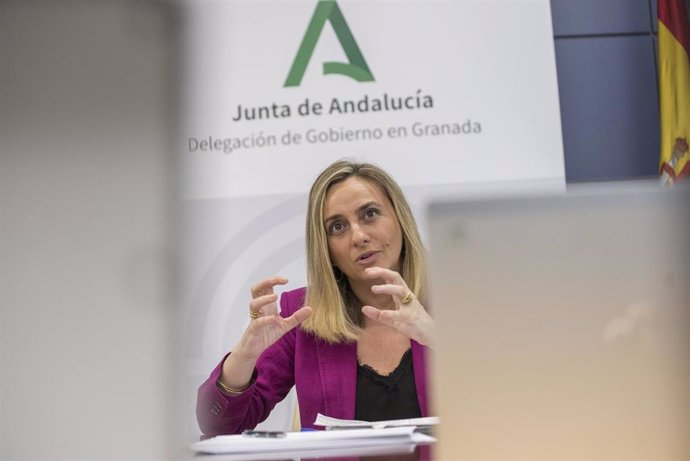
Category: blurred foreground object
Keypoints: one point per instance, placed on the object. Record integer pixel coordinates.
(564, 324)
(86, 187)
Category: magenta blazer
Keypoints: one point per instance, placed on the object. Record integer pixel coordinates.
(325, 376)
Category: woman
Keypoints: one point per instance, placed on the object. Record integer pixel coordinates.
(353, 342)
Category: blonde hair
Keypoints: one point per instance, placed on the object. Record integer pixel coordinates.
(336, 316)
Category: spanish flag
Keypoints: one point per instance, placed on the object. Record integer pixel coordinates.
(674, 89)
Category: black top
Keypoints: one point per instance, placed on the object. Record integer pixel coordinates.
(393, 396)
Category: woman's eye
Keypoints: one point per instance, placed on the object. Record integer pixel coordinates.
(336, 227)
(371, 213)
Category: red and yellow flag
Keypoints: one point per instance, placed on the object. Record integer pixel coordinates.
(674, 89)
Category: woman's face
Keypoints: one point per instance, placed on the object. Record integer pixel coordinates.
(362, 228)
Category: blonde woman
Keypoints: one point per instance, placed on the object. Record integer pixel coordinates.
(354, 341)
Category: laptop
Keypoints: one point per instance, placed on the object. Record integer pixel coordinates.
(563, 324)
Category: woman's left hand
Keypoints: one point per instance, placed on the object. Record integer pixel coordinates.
(409, 316)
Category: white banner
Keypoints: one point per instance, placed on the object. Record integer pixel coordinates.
(459, 91)
(446, 96)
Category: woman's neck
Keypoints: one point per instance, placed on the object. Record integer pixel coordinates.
(364, 295)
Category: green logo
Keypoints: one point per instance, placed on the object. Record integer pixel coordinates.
(328, 10)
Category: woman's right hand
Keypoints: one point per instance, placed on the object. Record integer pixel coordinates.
(261, 333)
(265, 330)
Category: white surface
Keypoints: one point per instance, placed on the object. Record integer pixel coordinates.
(311, 440)
(327, 421)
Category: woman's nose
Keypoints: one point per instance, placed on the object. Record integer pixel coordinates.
(359, 235)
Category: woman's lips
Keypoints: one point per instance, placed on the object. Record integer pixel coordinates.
(368, 257)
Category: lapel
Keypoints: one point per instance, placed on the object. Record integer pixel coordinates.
(338, 375)
(420, 374)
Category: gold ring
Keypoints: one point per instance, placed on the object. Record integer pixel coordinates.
(254, 314)
(408, 298)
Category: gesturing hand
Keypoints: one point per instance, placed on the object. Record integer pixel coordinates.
(409, 316)
(268, 326)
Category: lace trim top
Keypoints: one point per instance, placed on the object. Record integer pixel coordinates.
(393, 396)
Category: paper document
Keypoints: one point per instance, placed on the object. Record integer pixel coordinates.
(330, 423)
(312, 440)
